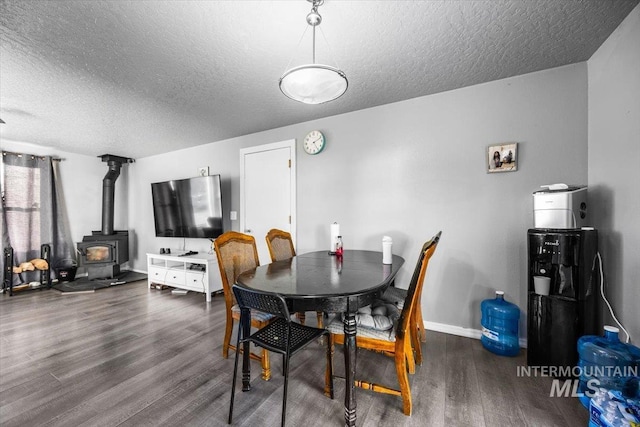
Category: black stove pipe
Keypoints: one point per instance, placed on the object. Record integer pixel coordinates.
(108, 190)
(108, 197)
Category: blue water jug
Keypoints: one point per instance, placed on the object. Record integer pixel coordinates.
(500, 326)
(608, 363)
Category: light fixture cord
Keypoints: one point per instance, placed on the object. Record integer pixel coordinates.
(306, 27)
(329, 49)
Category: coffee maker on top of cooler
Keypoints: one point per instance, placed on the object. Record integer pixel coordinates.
(562, 248)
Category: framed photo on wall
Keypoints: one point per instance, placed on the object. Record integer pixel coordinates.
(502, 158)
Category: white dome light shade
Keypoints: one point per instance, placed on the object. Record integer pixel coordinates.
(314, 83)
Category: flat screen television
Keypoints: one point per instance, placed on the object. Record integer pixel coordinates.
(188, 207)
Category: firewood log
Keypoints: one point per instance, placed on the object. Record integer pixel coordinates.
(27, 266)
(39, 263)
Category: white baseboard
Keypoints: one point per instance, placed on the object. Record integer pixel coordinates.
(460, 331)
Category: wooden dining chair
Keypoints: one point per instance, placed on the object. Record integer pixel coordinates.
(394, 341)
(280, 336)
(237, 253)
(281, 247)
(397, 296)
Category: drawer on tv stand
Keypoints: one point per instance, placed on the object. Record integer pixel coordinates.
(175, 276)
(157, 274)
(195, 280)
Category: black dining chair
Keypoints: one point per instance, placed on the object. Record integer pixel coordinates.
(280, 336)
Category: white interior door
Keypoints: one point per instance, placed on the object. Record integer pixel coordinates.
(267, 192)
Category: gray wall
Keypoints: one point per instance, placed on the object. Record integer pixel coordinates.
(408, 170)
(614, 165)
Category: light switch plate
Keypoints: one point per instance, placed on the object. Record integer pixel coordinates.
(203, 171)
(233, 215)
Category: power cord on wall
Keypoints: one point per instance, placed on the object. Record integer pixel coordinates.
(605, 298)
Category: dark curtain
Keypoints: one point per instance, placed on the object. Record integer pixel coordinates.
(33, 210)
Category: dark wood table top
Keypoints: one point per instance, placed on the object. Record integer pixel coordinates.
(319, 281)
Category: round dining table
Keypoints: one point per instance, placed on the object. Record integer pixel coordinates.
(318, 281)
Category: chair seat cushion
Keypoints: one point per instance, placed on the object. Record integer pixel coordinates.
(377, 321)
(395, 296)
(380, 316)
(336, 327)
(255, 314)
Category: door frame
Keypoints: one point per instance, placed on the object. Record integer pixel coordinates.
(291, 144)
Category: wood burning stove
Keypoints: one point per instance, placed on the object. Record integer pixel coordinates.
(103, 251)
(102, 255)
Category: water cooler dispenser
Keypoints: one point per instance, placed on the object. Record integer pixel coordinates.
(561, 261)
(572, 307)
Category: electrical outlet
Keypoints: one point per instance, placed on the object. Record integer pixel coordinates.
(203, 171)
(234, 215)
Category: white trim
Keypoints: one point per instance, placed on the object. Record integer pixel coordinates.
(291, 144)
(461, 332)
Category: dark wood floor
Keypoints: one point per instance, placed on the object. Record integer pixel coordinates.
(130, 356)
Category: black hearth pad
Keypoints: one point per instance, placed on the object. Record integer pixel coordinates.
(82, 284)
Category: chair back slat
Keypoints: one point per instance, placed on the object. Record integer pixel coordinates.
(280, 245)
(267, 302)
(415, 286)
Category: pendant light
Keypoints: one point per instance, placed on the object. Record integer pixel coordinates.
(314, 83)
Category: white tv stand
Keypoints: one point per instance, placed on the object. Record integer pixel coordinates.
(197, 273)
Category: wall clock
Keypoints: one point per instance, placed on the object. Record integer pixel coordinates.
(314, 142)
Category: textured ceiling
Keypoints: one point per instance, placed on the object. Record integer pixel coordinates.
(137, 78)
